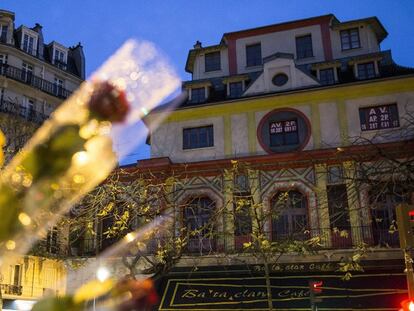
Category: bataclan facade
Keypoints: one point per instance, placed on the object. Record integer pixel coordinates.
(284, 167)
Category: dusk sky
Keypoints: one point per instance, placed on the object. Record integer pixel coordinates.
(174, 26)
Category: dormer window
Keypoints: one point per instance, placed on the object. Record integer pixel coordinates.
(350, 39)
(212, 61)
(198, 95)
(59, 58)
(327, 76)
(29, 43)
(235, 85)
(235, 89)
(366, 71)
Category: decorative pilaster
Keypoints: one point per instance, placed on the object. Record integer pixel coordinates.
(322, 204)
(353, 202)
(228, 187)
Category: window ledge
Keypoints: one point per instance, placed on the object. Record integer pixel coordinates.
(379, 130)
(254, 67)
(209, 71)
(306, 58)
(351, 50)
(195, 149)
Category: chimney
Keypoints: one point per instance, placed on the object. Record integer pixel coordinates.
(197, 45)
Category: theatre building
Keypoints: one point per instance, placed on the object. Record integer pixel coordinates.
(311, 111)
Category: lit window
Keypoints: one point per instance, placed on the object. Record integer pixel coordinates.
(379, 117)
(366, 70)
(327, 76)
(235, 89)
(198, 95)
(254, 55)
(350, 39)
(212, 61)
(28, 44)
(283, 133)
(304, 47)
(198, 137)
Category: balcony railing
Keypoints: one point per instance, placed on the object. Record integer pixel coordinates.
(337, 238)
(23, 111)
(30, 79)
(9, 289)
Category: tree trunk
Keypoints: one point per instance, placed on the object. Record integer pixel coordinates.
(268, 285)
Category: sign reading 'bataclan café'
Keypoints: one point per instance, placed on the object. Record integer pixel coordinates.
(373, 290)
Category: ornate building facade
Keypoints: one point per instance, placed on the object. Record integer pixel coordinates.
(35, 77)
(313, 113)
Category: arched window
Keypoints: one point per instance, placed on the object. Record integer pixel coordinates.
(199, 225)
(289, 215)
(383, 200)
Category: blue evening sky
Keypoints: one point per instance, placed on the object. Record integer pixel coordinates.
(175, 25)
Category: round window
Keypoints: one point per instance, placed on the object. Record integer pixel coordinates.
(283, 130)
(280, 79)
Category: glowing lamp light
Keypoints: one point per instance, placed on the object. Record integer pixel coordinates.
(316, 286)
(130, 237)
(102, 274)
(25, 219)
(10, 245)
(407, 305)
(80, 158)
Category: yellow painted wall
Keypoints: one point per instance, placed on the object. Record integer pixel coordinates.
(37, 277)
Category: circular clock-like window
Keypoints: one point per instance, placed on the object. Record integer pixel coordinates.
(283, 130)
(280, 79)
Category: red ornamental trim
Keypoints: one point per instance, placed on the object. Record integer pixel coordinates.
(264, 120)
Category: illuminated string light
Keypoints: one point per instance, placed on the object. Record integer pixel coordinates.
(102, 274)
(10, 245)
(25, 219)
(78, 179)
(129, 237)
(80, 158)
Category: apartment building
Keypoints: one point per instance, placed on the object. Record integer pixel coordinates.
(35, 77)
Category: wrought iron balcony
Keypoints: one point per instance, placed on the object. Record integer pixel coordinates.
(338, 238)
(23, 111)
(29, 78)
(61, 65)
(9, 289)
